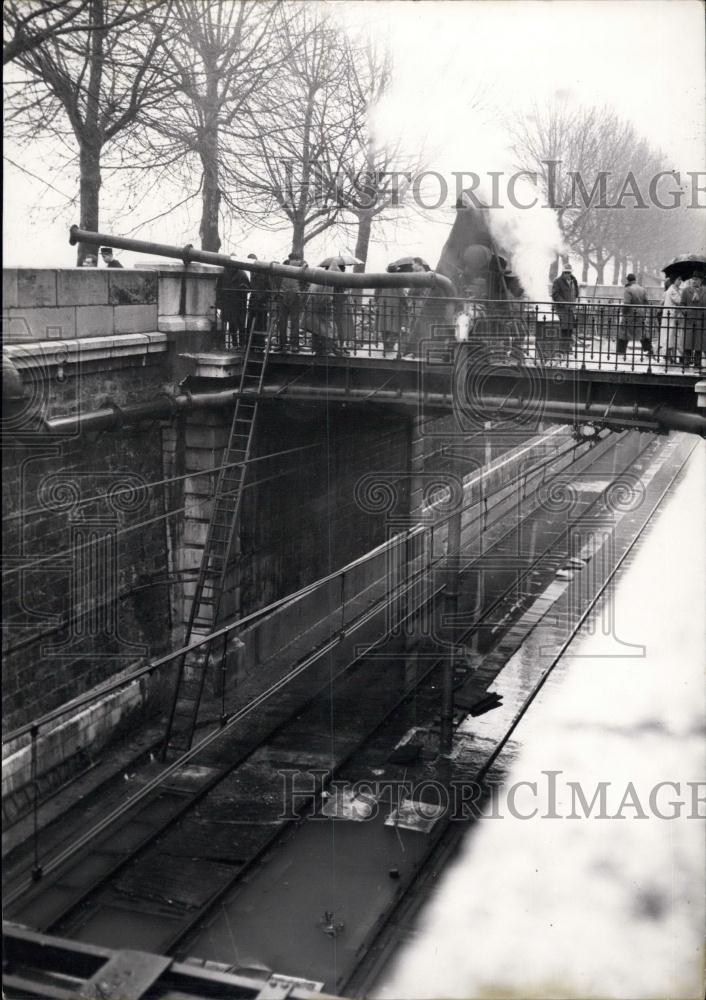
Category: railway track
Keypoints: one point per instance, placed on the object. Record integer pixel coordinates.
(396, 928)
(162, 889)
(61, 851)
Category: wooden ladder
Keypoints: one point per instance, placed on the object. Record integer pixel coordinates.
(216, 561)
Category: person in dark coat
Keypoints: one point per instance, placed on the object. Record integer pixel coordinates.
(390, 317)
(259, 302)
(290, 300)
(341, 312)
(565, 293)
(693, 299)
(232, 299)
(108, 259)
(633, 316)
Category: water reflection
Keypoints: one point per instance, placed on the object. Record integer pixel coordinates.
(590, 907)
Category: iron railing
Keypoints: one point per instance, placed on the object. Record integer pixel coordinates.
(396, 323)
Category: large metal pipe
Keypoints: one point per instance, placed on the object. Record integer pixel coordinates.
(308, 275)
(163, 407)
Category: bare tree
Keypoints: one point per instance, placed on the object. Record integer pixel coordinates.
(596, 171)
(28, 23)
(217, 57)
(378, 173)
(301, 131)
(88, 90)
(570, 149)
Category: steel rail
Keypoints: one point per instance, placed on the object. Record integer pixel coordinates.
(185, 758)
(408, 585)
(202, 912)
(358, 979)
(241, 624)
(328, 647)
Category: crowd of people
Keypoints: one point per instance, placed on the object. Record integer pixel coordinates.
(326, 314)
(673, 331)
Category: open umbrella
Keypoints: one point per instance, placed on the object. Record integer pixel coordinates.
(685, 265)
(341, 260)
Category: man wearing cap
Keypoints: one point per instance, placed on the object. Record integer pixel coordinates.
(565, 292)
(632, 320)
(108, 259)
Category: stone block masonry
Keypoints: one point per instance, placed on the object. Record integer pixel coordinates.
(84, 599)
(46, 305)
(43, 304)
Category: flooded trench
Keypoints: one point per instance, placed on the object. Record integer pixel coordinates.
(593, 907)
(313, 903)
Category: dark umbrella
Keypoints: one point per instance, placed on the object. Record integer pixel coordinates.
(406, 264)
(685, 265)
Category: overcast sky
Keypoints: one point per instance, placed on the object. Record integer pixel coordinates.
(461, 68)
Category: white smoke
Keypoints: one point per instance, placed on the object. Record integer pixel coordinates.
(530, 235)
(454, 118)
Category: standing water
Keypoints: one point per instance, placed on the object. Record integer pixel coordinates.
(610, 904)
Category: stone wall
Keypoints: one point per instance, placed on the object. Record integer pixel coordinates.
(80, 594)
(45, 304)
(86, 584)
(302, 513)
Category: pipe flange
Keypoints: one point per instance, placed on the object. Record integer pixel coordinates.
(119, 414)
(171, 399)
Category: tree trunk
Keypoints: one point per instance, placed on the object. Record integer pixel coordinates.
(90, 185)
(362, 243)
(584, 268)
(210, 196)
(298, 238)
(90, 135)
(600, 266)
(616, 270)
(209, 152)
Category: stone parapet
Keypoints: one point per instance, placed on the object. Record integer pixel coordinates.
(45, 304)
(187, 296)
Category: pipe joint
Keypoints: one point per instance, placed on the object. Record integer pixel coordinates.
(118, 414)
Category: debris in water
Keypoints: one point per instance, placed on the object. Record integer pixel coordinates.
(408, 753)
(329, 926)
